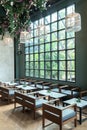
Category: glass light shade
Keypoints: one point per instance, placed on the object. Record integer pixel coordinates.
(24, 36)
(73, 22)
(7, 39)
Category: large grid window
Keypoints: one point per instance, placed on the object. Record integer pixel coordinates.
(52, 57)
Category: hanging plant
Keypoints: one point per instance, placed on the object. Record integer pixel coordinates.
(17, 13)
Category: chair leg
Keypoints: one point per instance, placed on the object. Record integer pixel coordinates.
(14, 105)
(43, 122)
(34, 114)
(75, 122)
(61, 127)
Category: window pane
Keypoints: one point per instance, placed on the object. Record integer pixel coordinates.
(70, 9)
(71, 76)
(54, 16)
(36, 73)
(62, 55)
(42, 73)
(47, 65)
(54, 36)
(31, 65)
(31, 57)
(26, 50)
(41, 48)
(54, 55)
(41, 56)
(70, 43)
(31, 49)
(31, 73)
(71, 65)
(47, 19)
(41, 65)
(41, 40)
(61, 35)
(61, 24)
(48, 28)
(35, 40)
(54, 75)
(48, 74)
(36, 65)
(47, 56)
(54, 65)
(61, 14)
(70, 34)
(47, 47)
(27, 72)
(54, 45)
(62, 75)
(54, 26)
(35, 24)
(35, 49)
(36, 57)
(26, 57)
(27, 65)
(71, 54)
(61, 45)
(62, 65)
(47, 38)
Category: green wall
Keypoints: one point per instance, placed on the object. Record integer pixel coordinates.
(81, 44)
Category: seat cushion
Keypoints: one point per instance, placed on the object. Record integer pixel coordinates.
(68, 113)
(39, 102)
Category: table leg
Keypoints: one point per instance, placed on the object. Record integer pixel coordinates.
(80, 115)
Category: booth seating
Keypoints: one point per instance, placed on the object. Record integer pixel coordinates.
(58, 114)
(83, 95)
(31, 101)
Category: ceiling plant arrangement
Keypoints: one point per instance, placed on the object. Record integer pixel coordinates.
(17, 16)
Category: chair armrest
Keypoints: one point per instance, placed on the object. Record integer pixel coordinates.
(64, 86)
(48, 83)
(54, 101)
(75, 88)
(83, 92)
(70, 106)
(52, 85)
(38, 82)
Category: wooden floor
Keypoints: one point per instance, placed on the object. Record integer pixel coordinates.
(17, 120)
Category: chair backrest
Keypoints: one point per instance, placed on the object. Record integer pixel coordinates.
(52, 113)
(25, 100)
(4, 91)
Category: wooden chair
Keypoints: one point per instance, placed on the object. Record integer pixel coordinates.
(31, 101)
(7, 93)
(58, 114)
(83, 95)
(70, 91)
